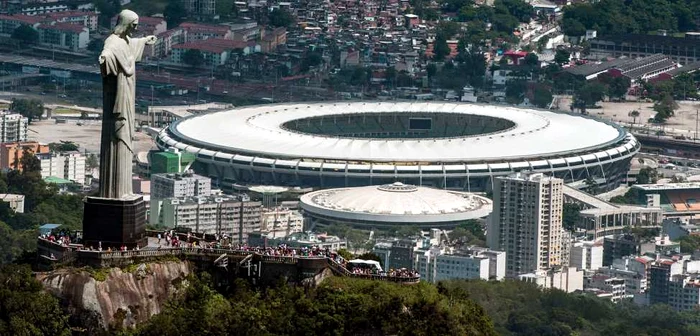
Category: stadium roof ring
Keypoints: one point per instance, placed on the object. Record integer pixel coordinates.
(305, 144)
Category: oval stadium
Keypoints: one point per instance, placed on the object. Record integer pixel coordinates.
(447, 145)
(392, 205)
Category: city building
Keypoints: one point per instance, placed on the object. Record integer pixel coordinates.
(200, 7)
(16, 202)
(179, 185)
(11, 153)
(623, 245)
(68, 166)
(214, 51)
(607, 287)
(586, 255)
(684, 50)
(439, 263)
(440, 144)
(281, 222)
(222, 215)
(392, 205)
(170, 161)
(13, 127)
(601, 218)
(8, 23)
(83, 18)
(299, 239)
(69, 36)
(684, 291)
(527, 222)
(567, 279)
(635, 282)
(660, 275)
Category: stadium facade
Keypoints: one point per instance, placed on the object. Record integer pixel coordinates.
(446, 145)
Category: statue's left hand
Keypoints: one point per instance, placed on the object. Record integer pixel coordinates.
(151, 39)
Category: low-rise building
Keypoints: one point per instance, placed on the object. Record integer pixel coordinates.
(437, 264)
(586, 255)
(15, 201)
(567, 279)
(299, 239)
(609, 287)
(64, 35)
(179, 185)
(67, 166)
(222, 215)
(684, 292)
(11, 153)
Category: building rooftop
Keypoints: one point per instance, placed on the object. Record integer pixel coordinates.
(396, 202)
(61, 26)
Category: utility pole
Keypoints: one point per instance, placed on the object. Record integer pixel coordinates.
(696, 126)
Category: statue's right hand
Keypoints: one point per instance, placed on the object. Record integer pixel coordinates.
(102, 59)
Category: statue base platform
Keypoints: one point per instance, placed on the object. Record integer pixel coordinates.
(114, 223)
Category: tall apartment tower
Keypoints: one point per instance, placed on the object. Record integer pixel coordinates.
(179, 185)
(13, 127)
(526, 222)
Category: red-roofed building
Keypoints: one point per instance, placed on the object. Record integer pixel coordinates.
(273, 38)
(8, 23)
(85, 18)
(200, 31)
(147, 25)
(64, 35)
(215, 51)
(167, 39)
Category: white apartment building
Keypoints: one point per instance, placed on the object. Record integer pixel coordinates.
(568, 279)
(212, 215)
(437, 264)
(281, 222)
(526, 222)
(609, 287)
(684, 292)
(13, 127)
(15, 201)
(635, 283)
(586, 255)
(69, 166)
(179, 185)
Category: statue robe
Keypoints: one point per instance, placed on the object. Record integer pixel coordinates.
(117, 64)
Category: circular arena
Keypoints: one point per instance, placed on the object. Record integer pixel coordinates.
(391, 205)
(447, 145)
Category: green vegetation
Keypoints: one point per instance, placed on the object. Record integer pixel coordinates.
(470, 232)
(571, 215)
(63, 146)
(193, 58)
(30, 108)
(25, 308)
(25, 34)
(519, 308)
(647, 175)
(280, 18)
(630, 197)
(641, 17)
(340, 306)
(689, 244)
(42, 204)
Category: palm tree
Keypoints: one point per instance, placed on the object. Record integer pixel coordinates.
(634, 114)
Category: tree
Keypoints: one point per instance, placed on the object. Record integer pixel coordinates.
(370, 256)
(174, 13)
(647, 175)
(26, 308)
(63, 146)
(312, 59)
(92, 162)
(25, 34)
(571, 215)
(515, 91)
(542, 96)
(634, 114)
(591, 185)
(532, 60)
(689, 244)
(30, 108)
(345, 254)
(440, 48)
(29, 162)
(590, 93)
(226, 8)
(280, 18)
(431, 69)
(618, 87)
(573, 28)
(96, 45)
(390, 75)
(562, 56)
(193, 58)
(664, 108)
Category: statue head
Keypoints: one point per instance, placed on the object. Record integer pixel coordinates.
(127, 22)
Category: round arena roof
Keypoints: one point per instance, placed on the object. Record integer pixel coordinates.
(395, 203)
(363, 132)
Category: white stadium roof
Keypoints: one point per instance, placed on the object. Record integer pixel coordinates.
(258, 131)
(396, 203)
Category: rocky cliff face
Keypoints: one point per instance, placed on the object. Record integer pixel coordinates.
(123, 299)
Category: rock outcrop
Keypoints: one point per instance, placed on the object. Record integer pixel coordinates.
(123, 299)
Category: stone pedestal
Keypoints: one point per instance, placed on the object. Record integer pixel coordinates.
(115, 222)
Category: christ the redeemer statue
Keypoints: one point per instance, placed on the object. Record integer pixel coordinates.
(117, 65)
